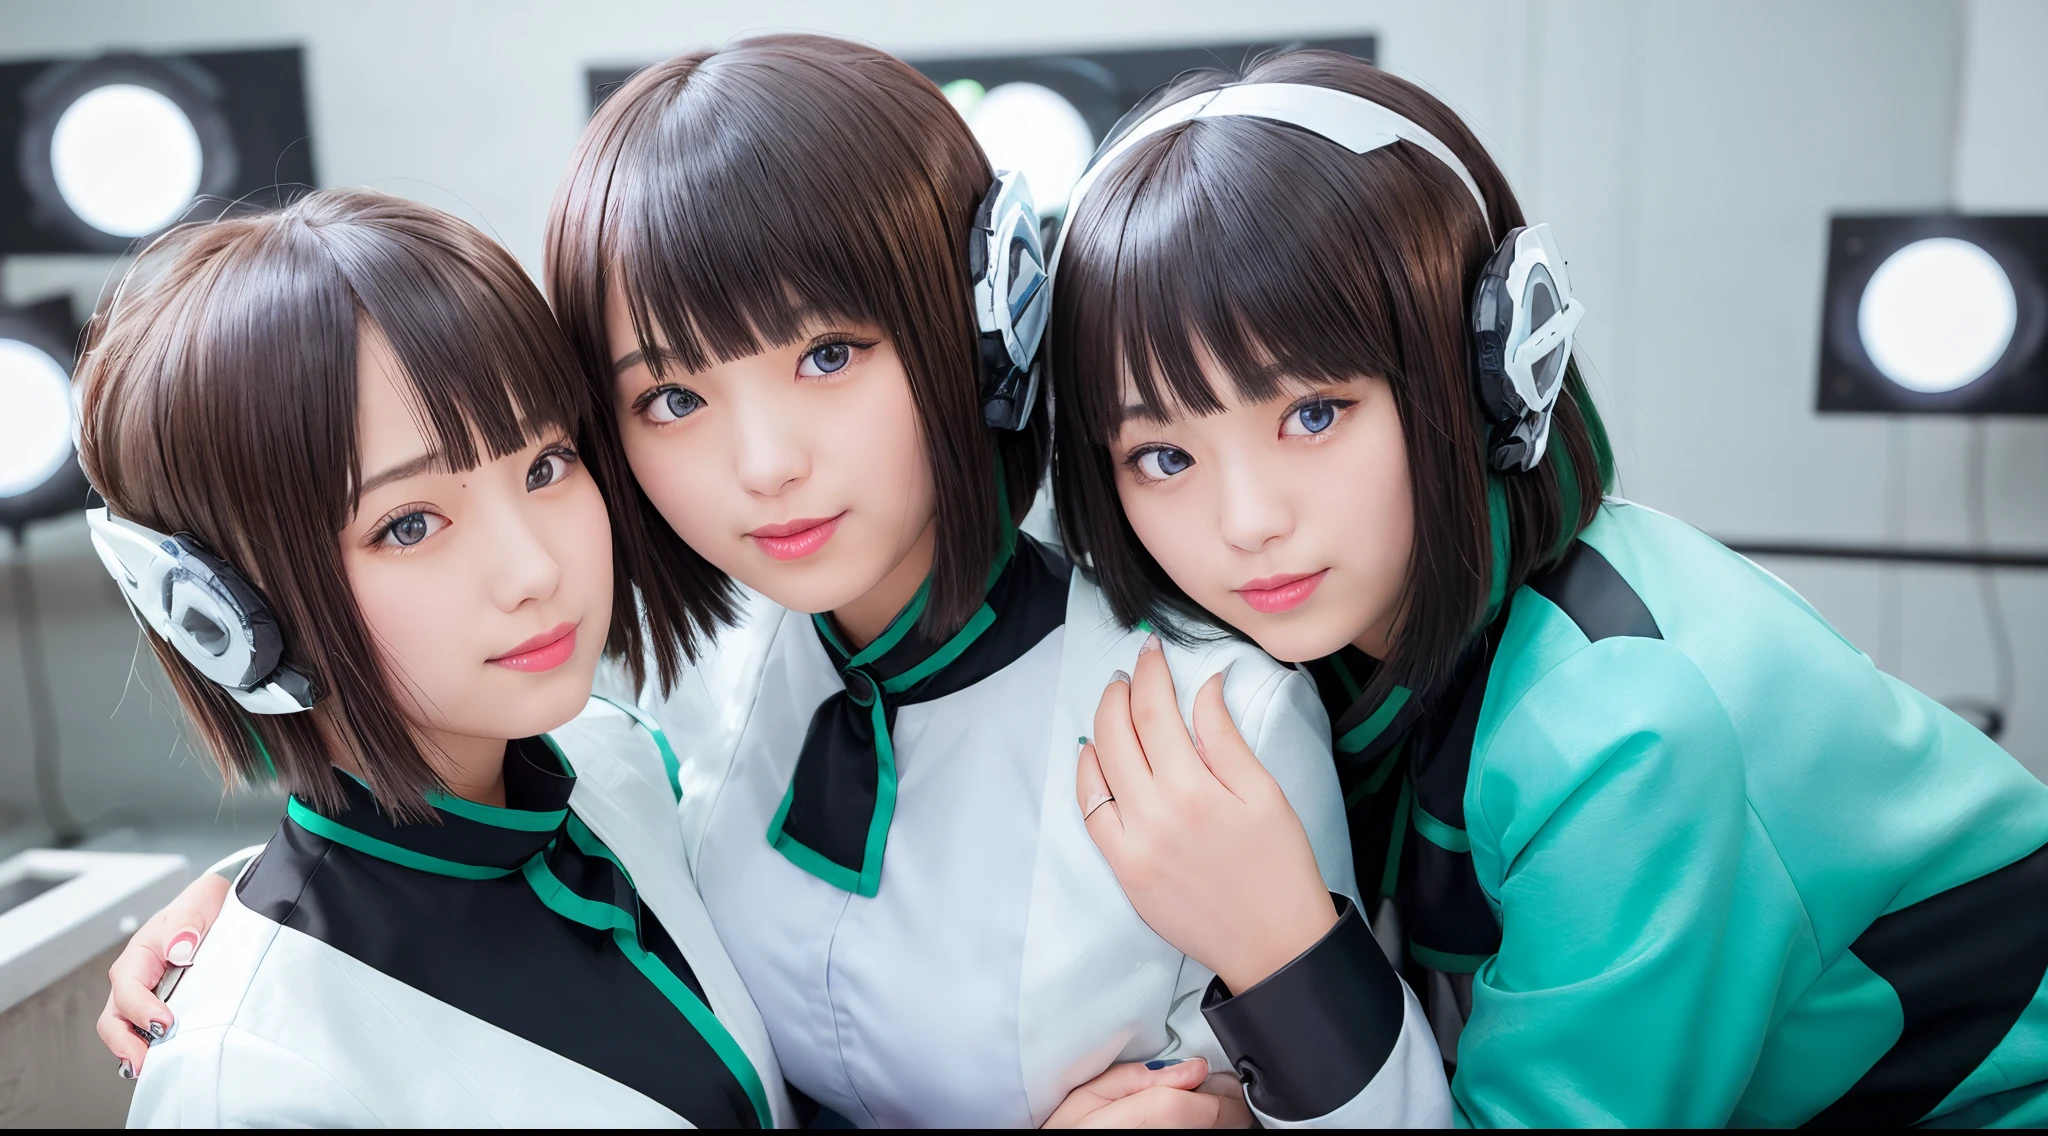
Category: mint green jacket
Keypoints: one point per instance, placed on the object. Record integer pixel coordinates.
(1743, 876)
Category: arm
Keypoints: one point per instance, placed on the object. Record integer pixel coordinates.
(1214, 857)
(1646, 917)
(134, 1014)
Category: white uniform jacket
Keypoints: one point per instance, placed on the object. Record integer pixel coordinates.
(364, 974)
(988, 961)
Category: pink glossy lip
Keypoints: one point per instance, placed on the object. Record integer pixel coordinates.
(1275, 594)
(543, 652)
(791, 540)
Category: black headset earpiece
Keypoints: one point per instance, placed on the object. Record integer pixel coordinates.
(206, 611)
(1006, 258)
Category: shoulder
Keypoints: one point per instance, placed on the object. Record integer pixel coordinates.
(1273, 704)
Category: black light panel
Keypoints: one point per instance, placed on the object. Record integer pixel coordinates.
(1937, 313)
(108, 150)
(1045, 114)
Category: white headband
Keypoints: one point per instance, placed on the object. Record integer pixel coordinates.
(1359, 125)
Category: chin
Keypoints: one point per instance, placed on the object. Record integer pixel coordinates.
(817, 583)
(1299, 637)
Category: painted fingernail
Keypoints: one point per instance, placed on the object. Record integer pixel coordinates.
(1120, 676)
(157, 1030)
(1164, 1064)
(127, 1071)
(1082, 740)
(1151, 643)
(182, 947)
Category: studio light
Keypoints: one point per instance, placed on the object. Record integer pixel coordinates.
(125, 159)
(1028, 127)
(116, 148)
(1045, 114)
(39, 475)
(1936, 314)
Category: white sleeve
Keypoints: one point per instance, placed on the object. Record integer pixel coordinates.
(224, 1077)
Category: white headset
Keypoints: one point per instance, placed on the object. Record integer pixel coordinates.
(1523, 313)
(204, 609)
(1006, 257)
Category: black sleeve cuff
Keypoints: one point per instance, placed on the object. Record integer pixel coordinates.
(1314, 1033)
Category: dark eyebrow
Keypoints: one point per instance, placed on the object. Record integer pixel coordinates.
(1141, 411)
(399, 472)
(627, 362)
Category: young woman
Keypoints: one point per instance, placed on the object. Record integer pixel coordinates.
(790, 271)
(1657, 845)
(340, 451)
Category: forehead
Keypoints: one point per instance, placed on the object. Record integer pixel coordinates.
(1221, 391)
(389, 424)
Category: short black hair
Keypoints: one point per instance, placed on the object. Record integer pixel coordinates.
(701, 186)
(1284, 256)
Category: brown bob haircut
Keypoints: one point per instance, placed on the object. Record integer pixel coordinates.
(735, 195)
(218, 399)
(1289, 258)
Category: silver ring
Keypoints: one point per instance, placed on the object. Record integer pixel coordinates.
(1098, 806)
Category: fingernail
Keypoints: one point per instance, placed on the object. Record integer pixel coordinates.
(1120, 676)
(1164, 1064)
(157, 1030)
(1151, 643)
(1082, 740)
(127, 1071)
(182, 948)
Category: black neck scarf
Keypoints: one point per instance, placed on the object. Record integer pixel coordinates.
(834, 819)
(1403, 762)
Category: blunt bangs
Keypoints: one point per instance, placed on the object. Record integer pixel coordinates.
(735, 195)
(1279, 259)
(218, 398)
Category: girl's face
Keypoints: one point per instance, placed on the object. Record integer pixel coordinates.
(800, 472)
(489, 591)
(1288, 519)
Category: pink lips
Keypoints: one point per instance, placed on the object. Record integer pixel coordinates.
(793, 540)
(1275, 594)
(543, 652)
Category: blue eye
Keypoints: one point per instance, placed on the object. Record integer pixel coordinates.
(672, 403)
(409, 529)
(548, 469)
(830, 358)
(1312, 417)
(1162, 462)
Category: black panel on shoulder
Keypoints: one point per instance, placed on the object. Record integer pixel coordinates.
(491, 949)
(1965, 963)
(1588, 589)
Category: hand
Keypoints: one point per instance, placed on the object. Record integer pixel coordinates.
(1180, 1095)
(134, 1013)
(1199, 834)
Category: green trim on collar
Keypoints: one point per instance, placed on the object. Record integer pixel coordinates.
(868, 881)
(348, 837)
(1358, 737)
(670, 764)
(606, 917)
(1444, 836)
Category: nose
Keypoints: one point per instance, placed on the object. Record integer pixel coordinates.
(1252, 514)
(768, 459)
(525, 567)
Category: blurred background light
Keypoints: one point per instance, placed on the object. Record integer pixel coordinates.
(1032, 128)
(35, 431)
(117, 147)
(126, 159)
(1936, 313)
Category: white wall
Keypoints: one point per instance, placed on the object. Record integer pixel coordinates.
(1688, 154)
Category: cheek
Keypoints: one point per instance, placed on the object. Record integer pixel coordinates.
(583, 544)
(879, 449)
(1171, 526)
(420, 628)
(679, 479)
(1373, 501)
